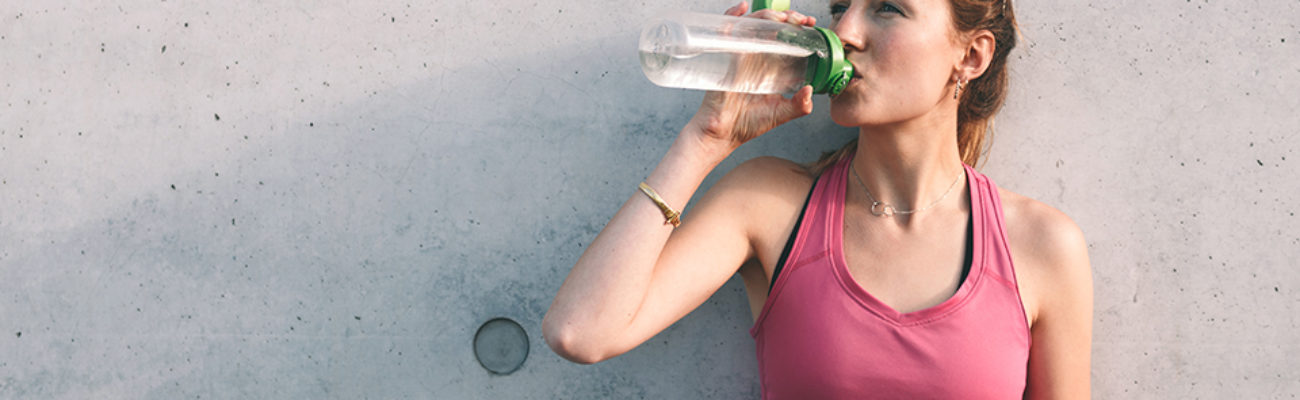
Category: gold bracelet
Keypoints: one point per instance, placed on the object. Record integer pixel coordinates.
(671, 216)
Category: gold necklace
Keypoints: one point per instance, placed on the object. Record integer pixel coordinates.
(882, 209)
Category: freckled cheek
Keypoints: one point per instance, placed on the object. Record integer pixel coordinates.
(893, 57)
(912, 63)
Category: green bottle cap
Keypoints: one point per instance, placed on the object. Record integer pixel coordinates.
(831, 73)
(778, 5)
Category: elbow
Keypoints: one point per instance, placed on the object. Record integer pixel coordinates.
(569, 351)
(567, 342)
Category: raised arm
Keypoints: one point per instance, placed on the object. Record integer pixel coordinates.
(640, 275)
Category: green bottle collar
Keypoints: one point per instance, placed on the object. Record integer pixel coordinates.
(834, 71)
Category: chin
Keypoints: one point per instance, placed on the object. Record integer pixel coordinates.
(847, 112)
(850, 107)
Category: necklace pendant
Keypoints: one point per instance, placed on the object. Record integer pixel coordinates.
(882, 209)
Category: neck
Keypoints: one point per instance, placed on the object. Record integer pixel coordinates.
(909, 165)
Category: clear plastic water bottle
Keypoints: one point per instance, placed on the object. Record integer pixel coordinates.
(735, 54)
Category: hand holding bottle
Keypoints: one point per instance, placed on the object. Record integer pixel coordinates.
(729, 119)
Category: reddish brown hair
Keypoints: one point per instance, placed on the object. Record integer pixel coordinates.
(982, 97)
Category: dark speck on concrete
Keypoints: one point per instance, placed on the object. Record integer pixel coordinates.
(1261, 163)
(217, 116)
(311, 124)
(20, 334)
(164, 49)
(173, 187)
(187, 24)
(358, 317)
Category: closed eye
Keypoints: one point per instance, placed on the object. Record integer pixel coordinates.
(838, 9)
(887, 7)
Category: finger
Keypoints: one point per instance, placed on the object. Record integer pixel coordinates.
(796, 18)
(804, 96)
(769, 14)
(738, 9)
(796, 106)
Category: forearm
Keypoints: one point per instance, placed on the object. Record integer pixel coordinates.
(604, 290)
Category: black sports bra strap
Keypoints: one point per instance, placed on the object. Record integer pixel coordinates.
(789, 243)
(969, 258)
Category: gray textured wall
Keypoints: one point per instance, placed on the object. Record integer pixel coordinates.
(246, 199)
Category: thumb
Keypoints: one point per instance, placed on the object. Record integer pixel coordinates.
(796, 106)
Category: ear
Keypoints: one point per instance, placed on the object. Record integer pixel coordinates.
(979, 53)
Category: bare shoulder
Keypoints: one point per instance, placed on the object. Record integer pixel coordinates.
(760, 181)
(770, 171)
(1041, 229)
(1050, 254)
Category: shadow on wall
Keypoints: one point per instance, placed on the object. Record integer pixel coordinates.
(356, 251)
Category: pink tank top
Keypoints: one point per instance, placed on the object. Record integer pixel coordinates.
(822, 336)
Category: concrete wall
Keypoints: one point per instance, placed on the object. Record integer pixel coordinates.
(238, 199)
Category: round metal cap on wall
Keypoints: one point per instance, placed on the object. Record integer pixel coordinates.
(501, 346)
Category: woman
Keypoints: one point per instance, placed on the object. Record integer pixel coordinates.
(884, 271)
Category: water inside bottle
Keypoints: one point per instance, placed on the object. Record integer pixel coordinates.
(726, 65)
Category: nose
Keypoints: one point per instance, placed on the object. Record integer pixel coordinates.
(851, 28)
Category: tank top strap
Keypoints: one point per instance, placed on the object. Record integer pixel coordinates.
(825, 206)
(813, 236)
(828, 204)
(992, 229)
(831, 201)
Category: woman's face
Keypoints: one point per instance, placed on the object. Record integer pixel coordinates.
(904, 57)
